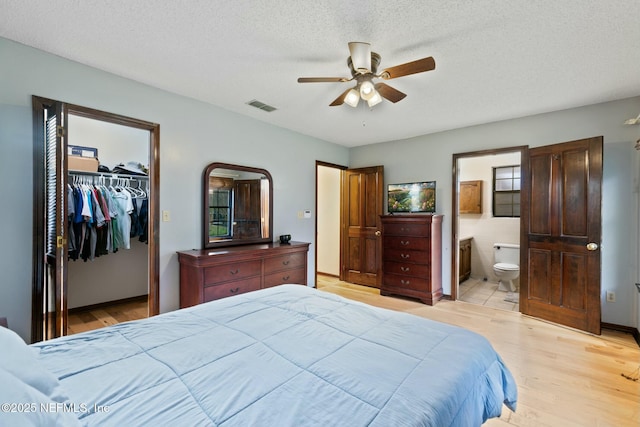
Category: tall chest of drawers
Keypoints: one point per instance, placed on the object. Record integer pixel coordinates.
(210, 274)
(412, 256)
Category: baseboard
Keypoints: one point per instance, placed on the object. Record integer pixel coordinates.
(626, 329)
(139, 298)
(328, 274)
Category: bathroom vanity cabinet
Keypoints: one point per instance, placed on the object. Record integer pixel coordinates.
(464, 260)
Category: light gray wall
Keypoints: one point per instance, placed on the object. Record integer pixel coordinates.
(429, 157)
(192, 134)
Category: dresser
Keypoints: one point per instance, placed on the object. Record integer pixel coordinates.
(210, 274)
(412, 256)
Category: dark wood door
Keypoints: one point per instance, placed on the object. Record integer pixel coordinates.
(362, 205)
(247, 218)
(560, 260)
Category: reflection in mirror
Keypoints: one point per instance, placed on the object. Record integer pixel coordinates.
(237, 205)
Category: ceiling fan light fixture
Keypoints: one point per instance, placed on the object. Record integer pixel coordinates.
(360, 56)
(367, 90)
(352, 98)
(375, 99)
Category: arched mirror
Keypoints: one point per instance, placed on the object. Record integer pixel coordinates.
(238, 205)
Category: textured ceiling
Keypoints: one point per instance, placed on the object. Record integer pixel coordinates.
(495, 59)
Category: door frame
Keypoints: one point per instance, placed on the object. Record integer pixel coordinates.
(455, 238)
(39, 185)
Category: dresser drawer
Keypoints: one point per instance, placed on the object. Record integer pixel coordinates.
(394, 282)
(406, 269)
(407, 242)
(286, 261)
(228, 289)
(399, 229)
(295, 276)
(404, 255)
(232, 271)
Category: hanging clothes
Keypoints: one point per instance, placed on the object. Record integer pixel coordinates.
(103, 219)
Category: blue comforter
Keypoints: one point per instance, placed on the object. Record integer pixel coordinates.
(284, 356)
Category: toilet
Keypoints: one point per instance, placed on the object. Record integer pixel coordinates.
(506, 257)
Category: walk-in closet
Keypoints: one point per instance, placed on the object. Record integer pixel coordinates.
(107, 253)
(96, 221)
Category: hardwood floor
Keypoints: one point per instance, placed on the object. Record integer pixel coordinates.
(565, 377)
(106, 315)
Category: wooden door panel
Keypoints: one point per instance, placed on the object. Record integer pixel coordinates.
(539, 288)
(372, 200)
(353, 258)
(354, 206)
(539, 212)
(574, 268)
(574, 193)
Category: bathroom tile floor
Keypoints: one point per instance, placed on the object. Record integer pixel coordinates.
(478, 291)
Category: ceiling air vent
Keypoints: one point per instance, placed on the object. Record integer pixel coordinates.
(262, 106)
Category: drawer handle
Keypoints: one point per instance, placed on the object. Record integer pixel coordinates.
(234, 272)
(405, 256)
(286, 262)
(405, 269)
(405, 282)
(285, 277)
(234, 290)
(404, 242)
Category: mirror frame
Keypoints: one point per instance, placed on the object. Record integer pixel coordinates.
(206, 242)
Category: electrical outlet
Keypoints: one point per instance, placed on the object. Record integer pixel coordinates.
(611, 296)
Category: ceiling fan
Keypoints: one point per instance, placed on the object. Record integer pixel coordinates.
(364, 68)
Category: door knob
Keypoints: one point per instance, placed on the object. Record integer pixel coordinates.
(378, 232)
(592, 246)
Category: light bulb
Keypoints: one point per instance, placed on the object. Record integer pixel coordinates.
(367, 90)
(352, 98)
(375, 99)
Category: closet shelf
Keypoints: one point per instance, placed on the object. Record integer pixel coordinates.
(109, 175)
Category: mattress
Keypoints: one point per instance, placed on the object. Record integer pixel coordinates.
(283, 356)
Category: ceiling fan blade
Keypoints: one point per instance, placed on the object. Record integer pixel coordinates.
(360, 56)
(340, 100)
(322, 79)
(387, 92)
(413, 67)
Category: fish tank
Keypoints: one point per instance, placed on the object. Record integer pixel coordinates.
(412, 197)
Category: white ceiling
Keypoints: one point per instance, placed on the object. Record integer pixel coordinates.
(495, 59)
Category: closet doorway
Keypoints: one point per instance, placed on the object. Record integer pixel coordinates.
(65, 275)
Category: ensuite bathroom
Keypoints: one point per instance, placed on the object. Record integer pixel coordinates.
(489, 230)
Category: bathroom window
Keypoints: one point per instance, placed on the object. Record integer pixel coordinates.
(506, 191)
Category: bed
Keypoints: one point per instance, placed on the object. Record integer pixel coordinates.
(283, 356)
